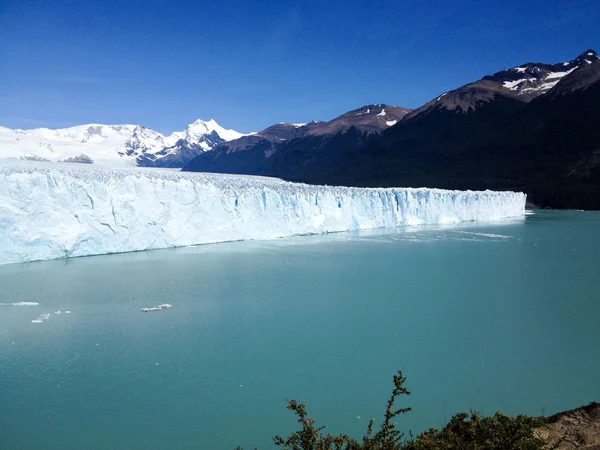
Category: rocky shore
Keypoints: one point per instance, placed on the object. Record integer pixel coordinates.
(575, 429)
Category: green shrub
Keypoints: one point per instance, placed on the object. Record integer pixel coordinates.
(463, 432)
(473, 432)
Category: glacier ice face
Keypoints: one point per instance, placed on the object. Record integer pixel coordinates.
(52, 211)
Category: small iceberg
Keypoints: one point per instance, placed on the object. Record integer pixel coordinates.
(41, 318)
(20, 304)
(162, 307)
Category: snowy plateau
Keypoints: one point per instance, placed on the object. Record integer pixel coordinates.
(50, 211)
(114, 145)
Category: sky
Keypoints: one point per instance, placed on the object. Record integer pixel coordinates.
(249, 64)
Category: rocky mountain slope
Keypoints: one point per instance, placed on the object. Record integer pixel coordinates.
(548, 147)
(250, 154)
(522, 83)
(534, 127)
(575, 429)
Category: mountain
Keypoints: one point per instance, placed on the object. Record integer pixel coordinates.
(198, 138)
(250, 154)
(547, 146)
(522, 83)
(114, 144)
(531, 80)
(368, 119)
(533, 127)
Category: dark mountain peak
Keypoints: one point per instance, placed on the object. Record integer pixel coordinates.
(467, 98)
(531, 80)
(589, 55)
(284, 131)
(522, 83)
(374, 110)
(586, 57)
(368, 119)
(579, 80)
(365, 110)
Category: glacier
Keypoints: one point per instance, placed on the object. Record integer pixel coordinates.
(50, 210)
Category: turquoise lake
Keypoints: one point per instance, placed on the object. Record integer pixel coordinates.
(491, 316)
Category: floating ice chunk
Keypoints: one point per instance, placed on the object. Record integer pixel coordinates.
(41, 318)
(157, 308)
(490, 235)
(20, 304)
(67, 312)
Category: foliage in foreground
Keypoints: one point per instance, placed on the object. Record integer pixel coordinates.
(473, 432)
(463, 432)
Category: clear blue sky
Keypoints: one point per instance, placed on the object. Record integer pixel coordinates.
(249, 64)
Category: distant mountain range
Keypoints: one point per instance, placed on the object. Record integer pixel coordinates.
(251, 154)
(114, 144)
(534, 127)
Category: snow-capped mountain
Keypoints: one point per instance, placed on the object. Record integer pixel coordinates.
(534, 79)
(199, 137)
(122, 145)
(197, 131)
(522, 83)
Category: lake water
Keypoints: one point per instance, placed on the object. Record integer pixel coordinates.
(500, 316)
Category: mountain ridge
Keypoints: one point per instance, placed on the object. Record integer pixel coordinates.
(545, 143)
(121, 144)
(250, 154)
(531, 127)
(523, 83)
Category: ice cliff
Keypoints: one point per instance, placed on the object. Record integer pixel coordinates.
(52, 211)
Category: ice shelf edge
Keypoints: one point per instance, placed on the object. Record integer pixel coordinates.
(50, 211)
